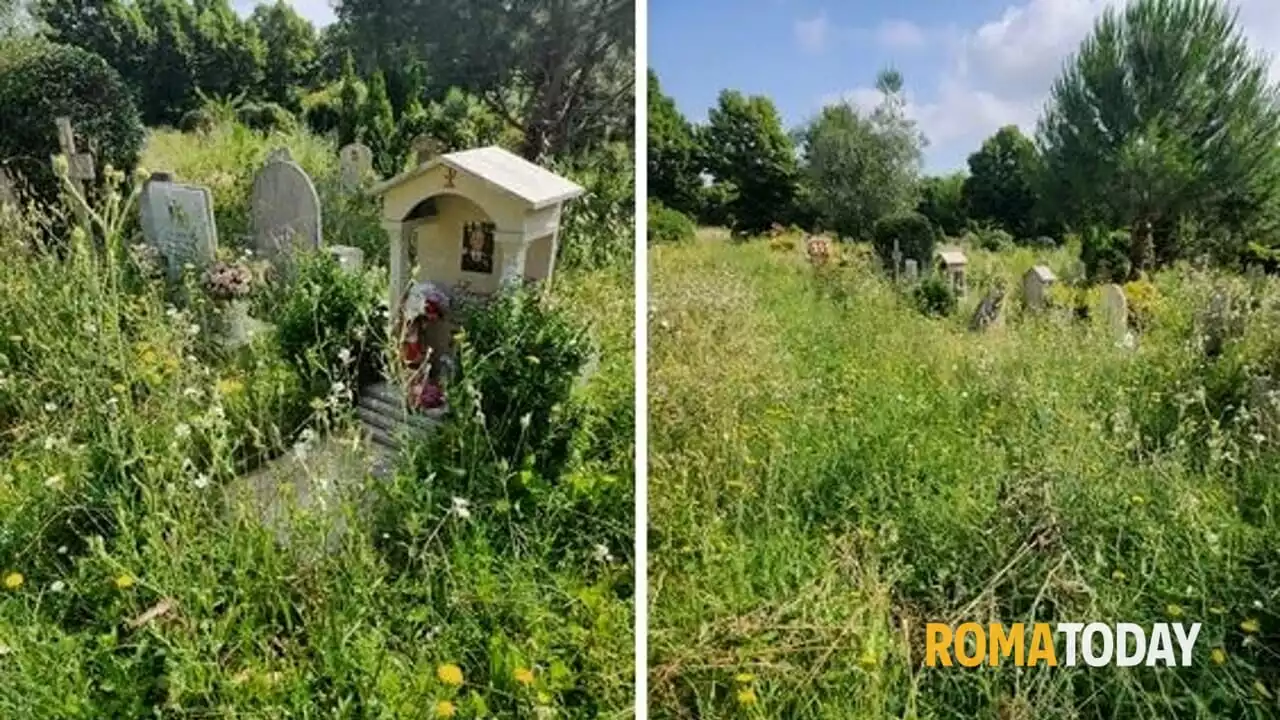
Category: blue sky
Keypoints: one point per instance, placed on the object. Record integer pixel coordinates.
(970, 66)
(317, 11)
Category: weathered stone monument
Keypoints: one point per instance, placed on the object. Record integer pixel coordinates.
(988, 311)
(911, 269)
(355, 164)
(177, 220)
(349, 258)
(1115, 311)
(1035, 286)
(285, 209)
(8, 190)
(953, 265)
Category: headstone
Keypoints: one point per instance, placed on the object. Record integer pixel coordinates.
(912, 269)
(988, 311)
(1115, 310)
(349, 258)
(1035, 286)
(8, 191)
(285, 209)
(355, 164)
(897, 259)
(280, 154)
(177, 220)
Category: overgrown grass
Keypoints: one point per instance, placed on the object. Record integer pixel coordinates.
(830, 470)
(137, 582)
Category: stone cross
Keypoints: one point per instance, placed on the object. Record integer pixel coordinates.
(178, 221)
(355, 163)
(284, 209)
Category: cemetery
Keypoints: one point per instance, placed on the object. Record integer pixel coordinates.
(256, 396)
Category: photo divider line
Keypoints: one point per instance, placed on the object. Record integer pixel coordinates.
(641, 279)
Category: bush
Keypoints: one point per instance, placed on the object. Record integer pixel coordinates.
(667, 225)
(40, 81)
(329, 322)
(266, 117)
(598, 229)
(934, 296)
(915, 235)
(198, 120)
(1105, 255)
(993, 239)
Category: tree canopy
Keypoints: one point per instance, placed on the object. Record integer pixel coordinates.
(745, 147)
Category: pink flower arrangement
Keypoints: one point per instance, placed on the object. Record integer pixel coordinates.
(426, 395)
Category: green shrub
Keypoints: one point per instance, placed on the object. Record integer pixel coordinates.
(40, 81)
(1105, 255)
(993, 239)
(934, 296)
(198, 120)
(598, 229)
(266, 117)
(915, 235)
(329, 322)
(667, 225)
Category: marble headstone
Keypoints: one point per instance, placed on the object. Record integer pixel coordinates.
(177, 220)
(285, 209)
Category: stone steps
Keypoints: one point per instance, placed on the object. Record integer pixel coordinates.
(387, 422)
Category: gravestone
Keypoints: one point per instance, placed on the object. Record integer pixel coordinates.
(177, 220)
(8, 191)
(988, 311)
(355, 164)
(1115, 310)
(1035, 286)
(349, 258)
(285, 209)
(280, 154)
(912, 270)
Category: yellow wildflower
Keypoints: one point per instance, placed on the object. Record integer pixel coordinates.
(745, 678)
(445, 709)
(868, 661)
(118, 388)
(1137, 499)
(229, 386)
(747, 697)
(1250, 626)
(1218, 655)
(13, 580)
(524, 676)
(1173, 610)
(125, 581)
(450, 674)
(1118, 575)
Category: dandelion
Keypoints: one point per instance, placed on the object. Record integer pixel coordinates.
(445, 709)
(1218, 655)
(450, 674)
(747, 697)
(461, 508)
(124, 582)
(524, 676)
(1251, 626)
(13, 581)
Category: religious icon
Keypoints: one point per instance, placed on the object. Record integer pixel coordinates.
(477, 247)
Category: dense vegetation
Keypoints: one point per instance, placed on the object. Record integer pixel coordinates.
(840, 453)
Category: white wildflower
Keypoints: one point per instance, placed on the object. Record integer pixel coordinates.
(524, 421)
(191, 392)
(182, 431)
(54, 481)
(344, 356)
(602, 553)
(193, 329)
(201, 481)
(63, 550)
(57, 586)
(461, 508)
(50, 407)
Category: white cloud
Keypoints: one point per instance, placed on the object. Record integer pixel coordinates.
(812, 34)
(900, 35)
(1000, 72)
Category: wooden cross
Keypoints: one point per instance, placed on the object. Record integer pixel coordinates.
(79, 165)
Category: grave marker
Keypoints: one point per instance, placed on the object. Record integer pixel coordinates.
(1035, 286)
(178, 221)
(79, 166)
(355, 164)
(988, 312)
(912, 270)
(1115, 310)
(285, 209)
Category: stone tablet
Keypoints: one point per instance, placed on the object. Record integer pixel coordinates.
(1035, 286)
(285, 210)
(912, 270)
(350, 259)
(1115, 309)
(177, 220)
(355, 164)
